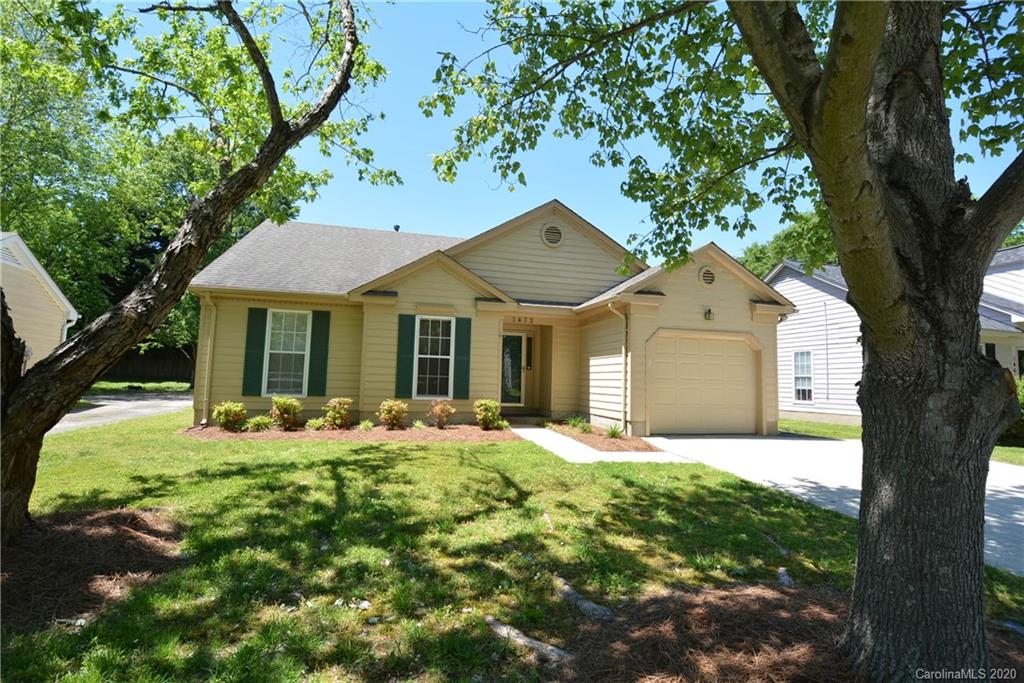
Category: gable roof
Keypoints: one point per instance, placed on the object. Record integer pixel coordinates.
(587, 228)
(444, 261)
(1009, 256)
(16, 252)
(311, 258)
(637, 283)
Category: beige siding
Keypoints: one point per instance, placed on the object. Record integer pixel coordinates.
(435, 291)
(682, 308)
(565, 356)
(343, 360)
(601, 370)
(38, 318)
(521, 265)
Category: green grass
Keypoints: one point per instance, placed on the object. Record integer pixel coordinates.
(277, 531)
(105, 387)
(1013, 455)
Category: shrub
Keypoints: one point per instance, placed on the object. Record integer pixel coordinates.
(336, 415)
(614, 432)
(229, 415)
(440, 411)
(286, 412)
(366, 426)
(258, 423)
(1014, 434)
(316, 424)
(579, 422)
(419, 424)
(392, 413)
(488, 414)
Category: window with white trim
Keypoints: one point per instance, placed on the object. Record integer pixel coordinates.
(435, 353)
(803, 376)
(287, 359)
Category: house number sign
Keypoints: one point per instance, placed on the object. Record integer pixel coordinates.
(522, 319)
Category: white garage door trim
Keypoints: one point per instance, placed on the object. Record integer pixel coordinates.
(746, 337)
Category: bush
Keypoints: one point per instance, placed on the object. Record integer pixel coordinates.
(366, 426)
(286, 412)
(392, 413)
(419, 424)
(614, 432)
(488, 414)
(316, 424)
(336, 415)
(1014, 435)
(258, 423)
(440, 411)
(579, 422)
(229, 415)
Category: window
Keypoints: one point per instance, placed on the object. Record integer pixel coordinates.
(435, 343)
(990, 351)
(287, 361)
(803, 376)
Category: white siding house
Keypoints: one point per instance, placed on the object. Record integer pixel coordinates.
(819, 350)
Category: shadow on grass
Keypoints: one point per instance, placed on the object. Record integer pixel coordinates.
(281, 550)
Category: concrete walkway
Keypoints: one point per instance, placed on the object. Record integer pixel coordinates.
(110, 408)
(568, 448)
(827, 472)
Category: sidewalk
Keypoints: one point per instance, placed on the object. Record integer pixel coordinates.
(573, 451)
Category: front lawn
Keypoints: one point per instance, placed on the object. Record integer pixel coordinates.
(1013, 455)
(284, 538)
(129, 387)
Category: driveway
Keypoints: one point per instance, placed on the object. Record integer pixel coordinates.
(826, 472)
(117, 407)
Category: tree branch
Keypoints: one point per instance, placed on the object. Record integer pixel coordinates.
(784, 54)
(166, 81)
(339, 83)
(1001, 208)
(178, 8)
(258, 59)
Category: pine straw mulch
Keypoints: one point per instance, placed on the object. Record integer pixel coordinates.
(378, 433)
(70, 565)
(747, 633)
(598, 440)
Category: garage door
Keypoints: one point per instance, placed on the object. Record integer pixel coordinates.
(701, 386)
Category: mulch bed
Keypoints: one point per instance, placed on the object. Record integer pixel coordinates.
(747, 633)
(599, 441)
(70, 565)
(450, 433)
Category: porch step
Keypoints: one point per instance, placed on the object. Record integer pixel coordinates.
(527, 420)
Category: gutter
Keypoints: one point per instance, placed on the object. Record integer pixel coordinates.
(208, 374)
(625, 361)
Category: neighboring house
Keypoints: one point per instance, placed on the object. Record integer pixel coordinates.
(39, 310)
(533, 313)
(819, 346)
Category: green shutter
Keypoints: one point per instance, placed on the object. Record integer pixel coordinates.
(316, 385)
(255, 346)
(404, 362)
(463, 340)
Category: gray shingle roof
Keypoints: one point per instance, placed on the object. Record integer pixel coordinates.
(315, 259)
(639, 278)
(1009, 256)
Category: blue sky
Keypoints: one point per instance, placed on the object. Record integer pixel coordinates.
(407, 39)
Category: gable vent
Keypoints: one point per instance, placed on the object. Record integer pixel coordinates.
(8, 256)
(551, 235)
(707, 276)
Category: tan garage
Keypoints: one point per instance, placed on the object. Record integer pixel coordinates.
(701, 385)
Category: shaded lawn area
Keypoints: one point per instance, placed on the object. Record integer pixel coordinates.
(108, 387)
(281, 536)
(1013, 455)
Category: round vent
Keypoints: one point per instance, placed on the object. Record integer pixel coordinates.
(551, 235)
(707, 276)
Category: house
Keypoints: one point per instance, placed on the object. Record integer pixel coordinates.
(819, 347)
(534, 313)
(39, 310)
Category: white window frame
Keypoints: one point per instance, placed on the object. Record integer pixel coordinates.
(266, 351)
(810, 353)
(416, 359)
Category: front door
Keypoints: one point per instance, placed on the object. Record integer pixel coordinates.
(512, 369)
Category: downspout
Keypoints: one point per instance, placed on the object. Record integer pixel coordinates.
(625, 361)
(208, 370)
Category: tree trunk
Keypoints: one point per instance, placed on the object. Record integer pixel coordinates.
(33, 403)
(930, 423)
